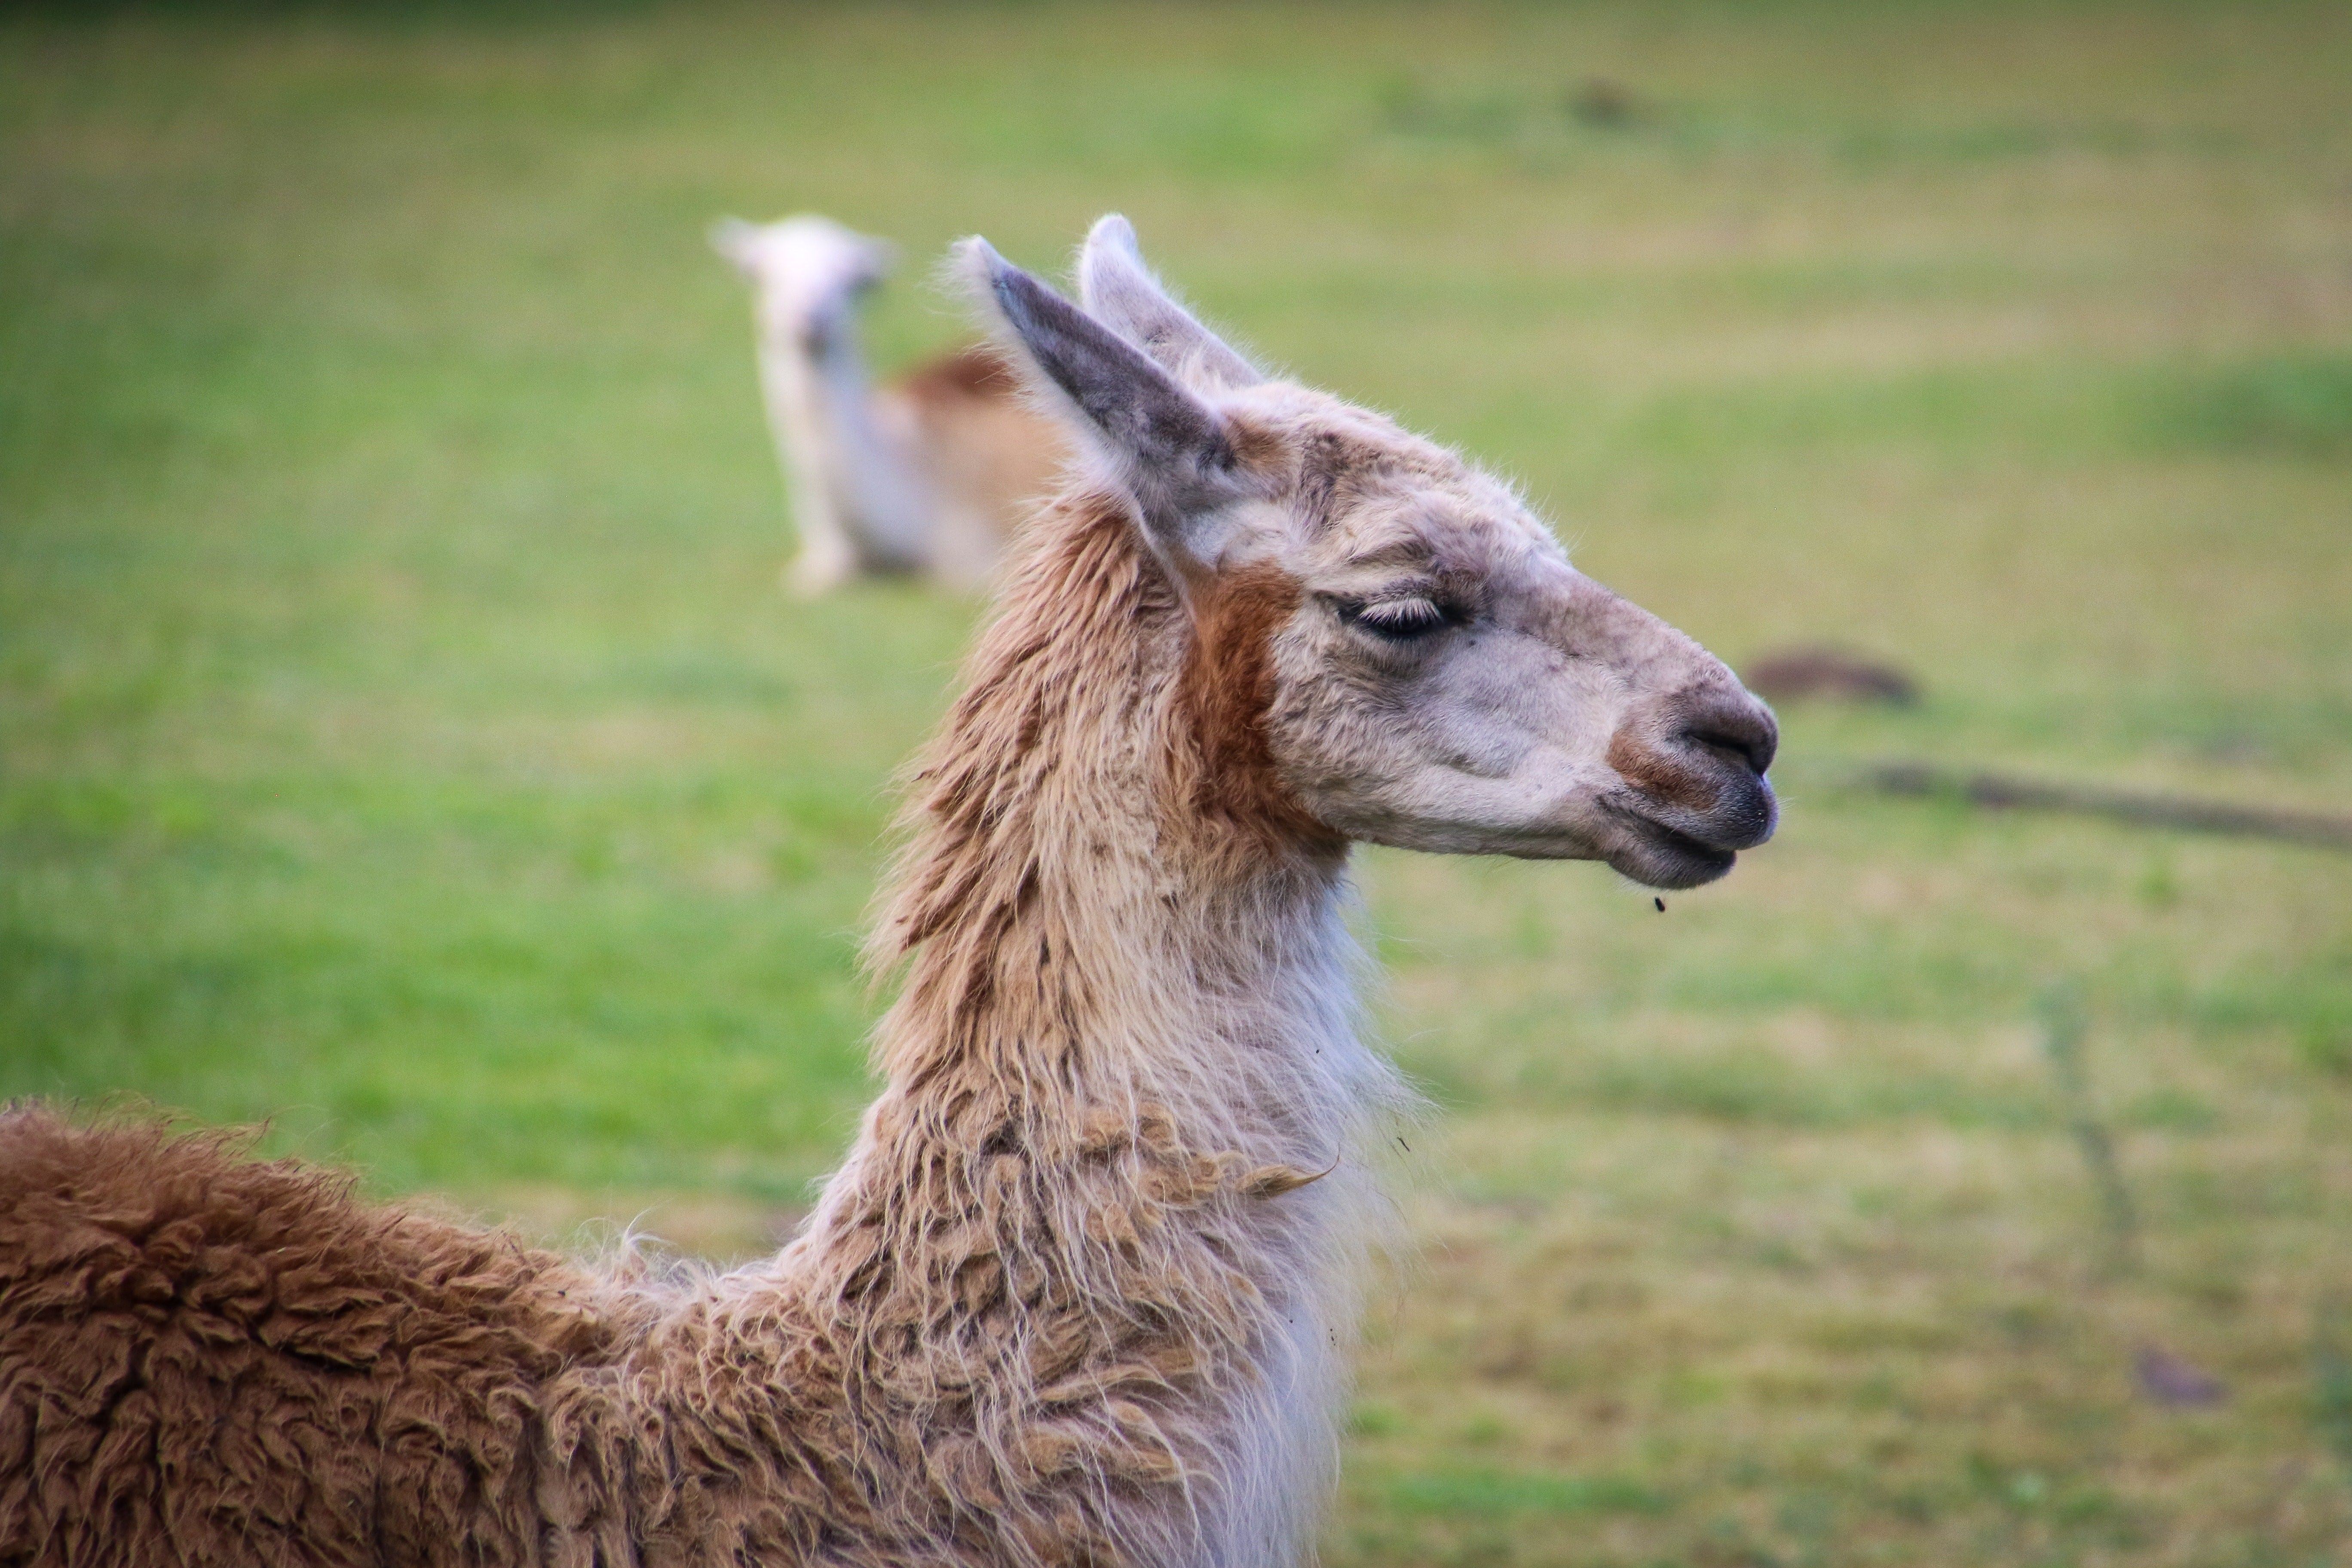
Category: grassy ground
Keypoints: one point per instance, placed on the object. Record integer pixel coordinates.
(401, 735)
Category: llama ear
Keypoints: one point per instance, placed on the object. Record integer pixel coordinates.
(1170, 449)
(736, 241)
(1120, 291)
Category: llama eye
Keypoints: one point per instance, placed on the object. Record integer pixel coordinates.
(1396, 620)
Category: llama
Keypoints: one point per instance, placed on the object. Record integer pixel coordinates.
(1081, 1290)
(927, 477)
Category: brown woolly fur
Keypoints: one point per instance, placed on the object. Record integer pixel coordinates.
(204, 1359)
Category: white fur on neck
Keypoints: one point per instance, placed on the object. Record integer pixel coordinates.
(1281, 1451)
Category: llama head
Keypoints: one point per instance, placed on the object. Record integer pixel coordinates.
(806, 271)
(1385, 631)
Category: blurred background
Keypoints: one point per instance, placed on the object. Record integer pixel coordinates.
(404, 737)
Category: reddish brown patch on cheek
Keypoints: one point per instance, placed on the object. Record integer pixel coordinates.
(1228, 688)
(1657, 774)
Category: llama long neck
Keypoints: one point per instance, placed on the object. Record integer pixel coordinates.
(851, 484)
(1098, 1235)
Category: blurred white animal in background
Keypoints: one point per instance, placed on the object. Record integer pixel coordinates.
(928, 476)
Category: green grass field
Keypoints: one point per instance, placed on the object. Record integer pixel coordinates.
(403, 736)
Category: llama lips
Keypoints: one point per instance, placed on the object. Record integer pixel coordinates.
(1657, 855)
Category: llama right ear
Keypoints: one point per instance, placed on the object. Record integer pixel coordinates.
(1117, 289)
(1170, 449)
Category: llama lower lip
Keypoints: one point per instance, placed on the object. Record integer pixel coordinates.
(1668, 859)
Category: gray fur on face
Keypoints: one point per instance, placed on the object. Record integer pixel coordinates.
(1532, 713)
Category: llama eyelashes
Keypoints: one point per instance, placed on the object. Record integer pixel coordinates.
(1396, 620)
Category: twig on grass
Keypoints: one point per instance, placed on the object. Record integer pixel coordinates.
(2004, 792)
(2064, 1024)
(2331, 1376)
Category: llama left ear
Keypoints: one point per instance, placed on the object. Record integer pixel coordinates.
(1168, 449)
(1117, 289)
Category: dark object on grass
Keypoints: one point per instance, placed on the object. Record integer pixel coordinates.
(2168, 1380)
(2065, 1025)
(2005, 793)
(1602, 103)
(2331, 1376)
(1787, 674)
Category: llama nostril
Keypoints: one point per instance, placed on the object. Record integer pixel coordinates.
(1740, 731)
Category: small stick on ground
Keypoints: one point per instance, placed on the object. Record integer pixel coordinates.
(2004, 792)
(2064, 1024)
(2331, 1376)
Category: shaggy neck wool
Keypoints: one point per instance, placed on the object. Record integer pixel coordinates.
(1097, 1241)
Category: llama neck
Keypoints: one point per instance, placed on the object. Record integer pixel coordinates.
(851, 484)
(1088, 921)
(1113, 1164)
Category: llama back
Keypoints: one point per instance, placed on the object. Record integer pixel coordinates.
(209, 1359)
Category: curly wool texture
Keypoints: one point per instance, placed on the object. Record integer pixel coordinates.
(207, 1358)
(1078, 1296)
